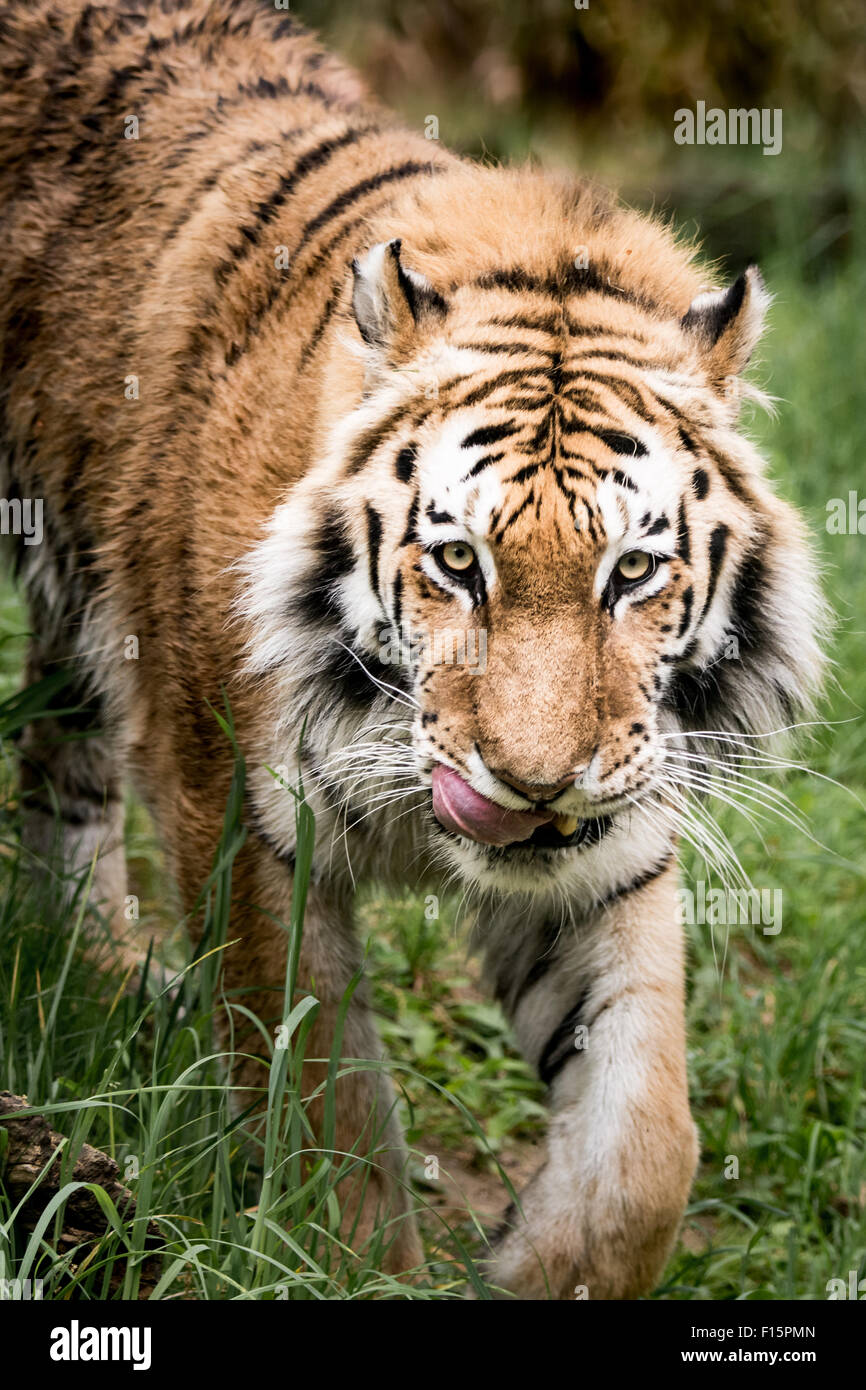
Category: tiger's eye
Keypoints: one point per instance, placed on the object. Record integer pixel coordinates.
(457, 556)
(634, 565)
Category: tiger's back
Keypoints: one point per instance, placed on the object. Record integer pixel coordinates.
(181, 185)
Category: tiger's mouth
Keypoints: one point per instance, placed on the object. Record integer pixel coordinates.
(588, 832)
(463, 811)
(553, 837)
(460, 808)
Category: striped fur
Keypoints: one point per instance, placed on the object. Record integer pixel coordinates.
(262, 363)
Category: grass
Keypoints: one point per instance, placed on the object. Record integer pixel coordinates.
(239, 1212)
(777, 1023)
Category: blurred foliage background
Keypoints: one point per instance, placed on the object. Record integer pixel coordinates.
(596, 89)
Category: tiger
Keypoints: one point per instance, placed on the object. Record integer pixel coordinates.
(435, 469)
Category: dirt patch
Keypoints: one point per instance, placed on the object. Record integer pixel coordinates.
(463, 1185)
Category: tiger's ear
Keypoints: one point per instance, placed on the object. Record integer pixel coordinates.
(726, 324)
(390, 301)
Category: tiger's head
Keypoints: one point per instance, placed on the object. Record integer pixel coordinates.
(538, 543)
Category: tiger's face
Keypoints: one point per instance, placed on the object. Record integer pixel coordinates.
(544, 590)
(549, 553)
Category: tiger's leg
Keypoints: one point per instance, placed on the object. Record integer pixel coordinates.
(72, 807)
(600, 1013)
(376, 1196)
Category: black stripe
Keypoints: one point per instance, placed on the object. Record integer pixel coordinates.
(517, 280)
(519, 376)
(420, 297)
(264, 88)
(374, 542)
(624, 480)
(560, 1045)
(265, 211)
(511, 349)
(708, 694)
(315, 338)
(717, 548)
(684, 546)
(529, 404)
(727, 469)
(616, 355)
(639, 882)
(586, 400)
(569, 280)
(584, 458)
(669, 406)
(729, 473)
(276, 290)
(192, 204)
(701, 483)
(119, 81)
(584, 477)
(273, 290)
(404, 464)
(524, 474)
(536, 323)
(484, 462)
(688, 599)
(439, 518)
(397, 603)
(753, 622)
(514, 516)
(216, 116)
(309, 162)
(506, 1224)
(120, 78)
(334, 560)
(371, 439)
(626, 391)
(489, 434)
(410, 535)
(410, 169)
(568, 493)
(289, 27)
(539, 968)
(578, 330)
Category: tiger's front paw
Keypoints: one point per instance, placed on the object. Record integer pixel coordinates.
(611, 1241)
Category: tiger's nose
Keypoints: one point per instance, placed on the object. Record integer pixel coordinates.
(535, 791)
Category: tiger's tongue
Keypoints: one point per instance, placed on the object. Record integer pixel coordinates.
(459, 807)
